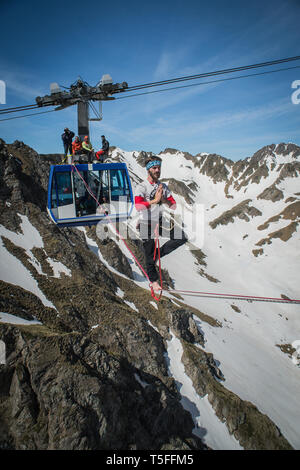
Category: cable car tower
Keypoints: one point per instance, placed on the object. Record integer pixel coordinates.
(81, 93)
(85, 194)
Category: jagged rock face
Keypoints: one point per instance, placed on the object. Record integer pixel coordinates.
(183, 325)
(26, 173)
(68, 383)
(286, 149)
(289, 170)
(251, 170)
(178, 187)
(68, 392)
(142, 158)
(292, 213)
(272, 193)
(280, 149)
(265, 176)
(242, 211)
(114, 255)
(169, 150)
(214, 167)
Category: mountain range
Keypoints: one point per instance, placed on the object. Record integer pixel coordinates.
(91, 361)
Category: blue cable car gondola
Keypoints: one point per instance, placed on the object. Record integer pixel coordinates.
(86, 194)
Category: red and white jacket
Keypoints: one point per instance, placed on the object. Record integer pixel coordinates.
(144, 193)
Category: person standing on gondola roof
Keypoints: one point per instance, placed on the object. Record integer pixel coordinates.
(67, 138)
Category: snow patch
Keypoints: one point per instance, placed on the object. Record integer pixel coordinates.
(153, 304)
(14, 272)
(208, 427)
(152, 326)
(14, 319)
(120, 293)
(131, 305)
(140, 381)
(59, 268)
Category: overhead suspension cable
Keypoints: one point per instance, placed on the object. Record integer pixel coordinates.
(210, 74)
(27, 107)
(208, 82)
(25, 115)
(249, 298)
(173, 80)
(18, 108)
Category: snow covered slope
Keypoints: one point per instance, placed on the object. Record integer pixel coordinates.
(251, 244)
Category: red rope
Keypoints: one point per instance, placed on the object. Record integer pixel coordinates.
(87, 186)
(135, 259)
(235, 296)
(157, 248)
(140, 266)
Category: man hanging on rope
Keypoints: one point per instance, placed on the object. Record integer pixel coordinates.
(149, 198)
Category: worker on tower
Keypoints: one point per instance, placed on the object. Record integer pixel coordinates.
(87, 148)
(103, 153)
(67, 137)
(149, 197)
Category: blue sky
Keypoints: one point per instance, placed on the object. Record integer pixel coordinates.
(141, 42)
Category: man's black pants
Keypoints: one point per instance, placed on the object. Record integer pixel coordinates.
(90, 154)
(68, 148)
(168, 247)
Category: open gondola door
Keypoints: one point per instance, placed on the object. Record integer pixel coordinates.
(86, 194)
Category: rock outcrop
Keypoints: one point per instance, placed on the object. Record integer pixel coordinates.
(243, 211)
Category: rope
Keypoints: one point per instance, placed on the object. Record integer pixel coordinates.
(135, 259)
(156, 247)
(19, 108)
(141, 267)
(86, 185)
(234, 296)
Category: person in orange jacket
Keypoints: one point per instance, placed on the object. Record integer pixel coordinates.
(76, 146)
